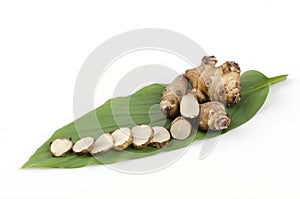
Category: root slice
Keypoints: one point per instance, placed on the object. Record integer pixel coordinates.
(60, 147)
(161, 137)
(122, 138)
(104, 143)
(189, 106)
(142, 136)
(180, 128)
(84, 145)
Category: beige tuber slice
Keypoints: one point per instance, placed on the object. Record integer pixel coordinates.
(213, 116)
(161, 137)
(104, 143)
(142, 136)
(180, 128)
(122, 138)
(189, 106)
(169, 103)
(84, 145)
(60, 147)
(217, 83)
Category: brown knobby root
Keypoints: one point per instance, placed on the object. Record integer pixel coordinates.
(161, 137)
(213, 116)
(142, 136)
(180, 128)
(189, 107)
(103, 143)
(169, 103)
(122, 138)
(217, 83)
(83, 146)
(60, 147)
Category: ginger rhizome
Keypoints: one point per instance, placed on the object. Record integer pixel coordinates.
(215, 83)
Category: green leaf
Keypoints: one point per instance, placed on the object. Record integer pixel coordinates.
(143, 108)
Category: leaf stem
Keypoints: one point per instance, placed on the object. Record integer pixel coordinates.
(276, 79)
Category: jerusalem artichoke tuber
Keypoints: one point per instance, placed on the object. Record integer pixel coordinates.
(217, 83)
(172, 95)
(213, 116)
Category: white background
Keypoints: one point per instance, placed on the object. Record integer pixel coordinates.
(44, 43)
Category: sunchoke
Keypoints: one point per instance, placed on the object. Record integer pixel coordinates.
(142, 136)
(213, 116)
(172, 95)
(123, 138)
(161, 137)
(180, 128)
(83, 146)
(217, 83)
(60, 147)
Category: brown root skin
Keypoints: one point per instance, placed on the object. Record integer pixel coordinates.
(213, 116)
(172, 95)
(217, 83)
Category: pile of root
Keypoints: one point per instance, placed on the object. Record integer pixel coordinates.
(201, 94)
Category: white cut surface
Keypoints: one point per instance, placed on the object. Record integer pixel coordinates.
(83, 145)
(104, 143)
(59, 147)
(160, 134)
(181, 129)
(141, 134)
(121, 136)
(189, 106)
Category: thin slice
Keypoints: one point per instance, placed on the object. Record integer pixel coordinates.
(161, 137)
(60, 147)
(142, 136)
(180, 128)
(122, 138)
(189, 106)
(103, 143)
(84, 145)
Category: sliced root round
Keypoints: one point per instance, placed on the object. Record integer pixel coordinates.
(60, 147)
(189, 106)
(104, 143)
(161, 137)
(122, 138)
(142, 136)
(84, 145)
(180, 128)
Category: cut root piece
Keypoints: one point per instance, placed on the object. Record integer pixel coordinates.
(103, 143)
(169, 103)
(180, 128)
(189, 106)
(142, 136)
(161, 137)
(60, 147)
(84, 145)
(122, 138)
